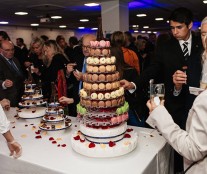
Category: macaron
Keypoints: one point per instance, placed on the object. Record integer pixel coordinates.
(97, 52)
(96, 61)
(108, 78)
(94, 96)
(113, 68)
(101, 104)
(88, 103)
(107, 95)
(108, 68)
(114, 102)
(108, 86)
(108, 60)
(105, 52)
(102, 60)
(102, 43)
(113, 95)
(101, 86)
(100, 96)
(94, 103)
(88, 86)
(113, 59)
(102, 69)
(92, 52)
(95, 69)
(94, 77)
(101, 77)
(94, 86)
(108, 103)
(89, 77)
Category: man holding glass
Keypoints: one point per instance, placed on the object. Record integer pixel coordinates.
(177, 64)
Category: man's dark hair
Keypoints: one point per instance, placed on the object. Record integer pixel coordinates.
(44, 37)
(73, 40)
(20, 39)
(59, 38)
(182, 15)
(4, 35)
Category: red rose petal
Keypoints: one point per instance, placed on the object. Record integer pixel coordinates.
(75, 125)
(91, 145)
(58, 145)
(111, 143)
(51, 138)
(77, 137)
(63, 145)
(82, 140)
(129, 130)
(31, 124)
(13, 127)
(38, 137)
(26, 125)
(54, 142)
(127, 136)
(38, 132)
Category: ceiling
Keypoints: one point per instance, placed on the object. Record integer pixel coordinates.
(74, 10)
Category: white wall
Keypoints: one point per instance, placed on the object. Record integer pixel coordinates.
(27, 33)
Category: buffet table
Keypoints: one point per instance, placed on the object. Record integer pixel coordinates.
(46, 156)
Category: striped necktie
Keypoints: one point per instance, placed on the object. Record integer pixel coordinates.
(185, 50)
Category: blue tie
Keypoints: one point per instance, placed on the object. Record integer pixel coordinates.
(11, 62)
(83, 71)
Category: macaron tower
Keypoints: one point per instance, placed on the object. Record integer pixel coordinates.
(102, 110)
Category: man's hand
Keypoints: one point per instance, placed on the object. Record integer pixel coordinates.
(70, 67)
(66, 100)
(8, 83)
(5, 104)
(78, 75)
(179, 78)
(27, 64)
(127, 85)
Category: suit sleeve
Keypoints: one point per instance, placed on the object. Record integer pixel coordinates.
(193, 144)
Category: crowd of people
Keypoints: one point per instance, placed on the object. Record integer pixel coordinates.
(174, 59)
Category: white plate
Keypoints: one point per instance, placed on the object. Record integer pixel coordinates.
(27, 113)
(54, 130)
(34, 97)
(52, 111)
(57, 118)
(31, 103)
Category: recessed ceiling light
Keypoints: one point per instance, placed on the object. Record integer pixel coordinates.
(141, 15)
(4, 22)
(34, 25)
(159, 19)
(91, 4)
(94, 28)
(81, 27)
(21, 13)
(146, 27)
(149, 32)
(56, 17)
(84, 20)
(205, 2)
(143, 31)
(136, 31)
(62, 26)
(135, 26)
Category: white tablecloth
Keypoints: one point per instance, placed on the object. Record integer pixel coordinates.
(152, 155)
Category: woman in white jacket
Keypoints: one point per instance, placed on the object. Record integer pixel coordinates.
(14, 147)
(192, 143)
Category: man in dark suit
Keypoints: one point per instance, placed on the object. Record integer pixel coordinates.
(11, 75)
(175, 70)
(75, 70)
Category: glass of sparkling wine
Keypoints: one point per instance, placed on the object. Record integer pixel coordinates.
(157, 93)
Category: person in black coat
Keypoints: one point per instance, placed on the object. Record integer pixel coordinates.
(175, 70)
(130, 74)
(11, 75)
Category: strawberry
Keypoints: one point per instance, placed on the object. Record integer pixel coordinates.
(38, 137)
(51, 138)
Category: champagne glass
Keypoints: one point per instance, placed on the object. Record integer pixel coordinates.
(157, 93)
